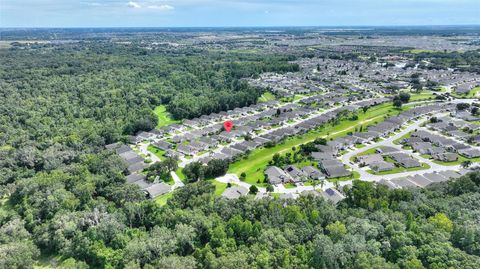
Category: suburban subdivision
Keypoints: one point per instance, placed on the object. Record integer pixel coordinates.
(314, 131)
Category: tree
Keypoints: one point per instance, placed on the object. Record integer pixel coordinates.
(194, 171)
(18, 255)
(336, 230)
(466, 164)
(475, 110)
(253, 189)
(216, 168)
(270, 188)
(397, 103)
(162, 169)
(462, 106)
(442, 221)
(413, 264)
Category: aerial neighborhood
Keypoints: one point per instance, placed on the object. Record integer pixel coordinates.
(430, 134)
(169, 143)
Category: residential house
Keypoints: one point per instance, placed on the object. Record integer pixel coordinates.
(296, 174)
(382, 166)
(187, 150)
(445, 157)
(470, 152)
(333, 195)
(366, 160)
(163, 145)
(313, 173)
(276, 176)
(157, 189)
(235, 192)
(334, 168)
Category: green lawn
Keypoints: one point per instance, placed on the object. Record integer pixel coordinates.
(369, 151)
(158, 152)
(397, 141)
(289, 186)
(219, 187)
(162, 199)
(266, 96)
(163, 116)
(182, 176)
(473, 92)
(421, 97)
(298, 97)
(254, 164)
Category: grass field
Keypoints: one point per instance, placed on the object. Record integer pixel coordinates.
(163, 116)
(266, 96)
(422, 97)
(255, 163)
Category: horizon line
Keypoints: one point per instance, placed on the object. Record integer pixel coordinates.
(257, 26)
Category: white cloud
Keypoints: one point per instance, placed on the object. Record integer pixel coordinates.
(134, 4)
(161, 7)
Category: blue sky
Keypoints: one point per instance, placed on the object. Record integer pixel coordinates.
(185, 13)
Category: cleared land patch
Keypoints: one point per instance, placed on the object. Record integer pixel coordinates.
(164, 117)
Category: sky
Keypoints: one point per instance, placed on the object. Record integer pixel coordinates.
(242, 13)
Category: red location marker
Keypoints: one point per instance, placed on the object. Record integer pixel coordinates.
(228, 125)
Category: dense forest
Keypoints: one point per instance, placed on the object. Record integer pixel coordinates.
(62, 103)
(70, 216)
